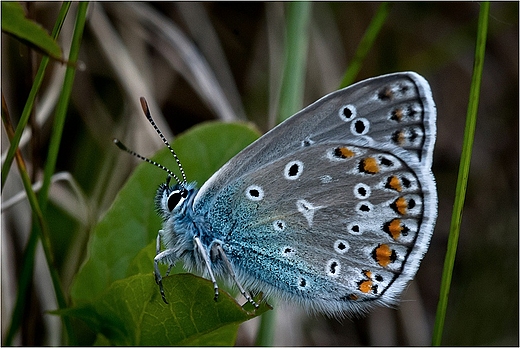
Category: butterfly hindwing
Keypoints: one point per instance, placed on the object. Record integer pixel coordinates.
(314, 224)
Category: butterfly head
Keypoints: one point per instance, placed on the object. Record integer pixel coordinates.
(174, 199)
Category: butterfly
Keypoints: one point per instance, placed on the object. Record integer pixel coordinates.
(333, 209)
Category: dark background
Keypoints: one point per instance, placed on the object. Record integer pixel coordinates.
(243, 46)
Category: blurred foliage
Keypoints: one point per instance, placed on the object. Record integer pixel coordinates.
(15, 23)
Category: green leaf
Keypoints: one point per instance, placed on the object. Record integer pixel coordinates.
(142, 261)
(131, 224)
(15, 23)
(131, 312)
(115, 292)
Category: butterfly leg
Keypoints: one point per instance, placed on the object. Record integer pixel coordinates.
(222, 255)
(168, 270)
(202, 252)
(158, 258)
(165, 255)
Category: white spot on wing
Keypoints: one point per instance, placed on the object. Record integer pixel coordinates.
(325, 179)
(288, 251)
(333, 268)
(307, 209)
(360, 127)
(341, 246)
(255, 193)
(362, 191)
(279, 225)
(347, 113)
(354, 228)
(293, 170)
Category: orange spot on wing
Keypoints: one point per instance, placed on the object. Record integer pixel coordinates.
(386, 94)
(397, 114)
(401, 205)
(395, 228)
(370, 165)
(365, 286)
(395, 183)
(344, 152)
(400, 138)
(384, 255)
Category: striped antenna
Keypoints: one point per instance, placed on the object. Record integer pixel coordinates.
(122, 146)
(171, 174)
(146, 111)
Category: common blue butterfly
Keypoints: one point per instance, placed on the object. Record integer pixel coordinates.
(333, 209)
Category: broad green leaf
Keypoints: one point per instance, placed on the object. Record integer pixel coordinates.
(131, 224)
(143, 261)
(131, 312)
(15, 23)
(115, 293)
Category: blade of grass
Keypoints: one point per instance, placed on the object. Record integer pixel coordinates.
(40, 226)
(62, 105)
(291, 100)
(54, 146)
(38, 79)
(462, 180)
(28, 257)
(366, 44)
(297, 42)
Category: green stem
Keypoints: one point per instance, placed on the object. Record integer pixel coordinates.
(39, 229)
(38, 79)
(366, 44)
(291, 100)
(267, 329)
(62, 105)
(54, 146)
(297, 42)
(29, 252)
(462, 180)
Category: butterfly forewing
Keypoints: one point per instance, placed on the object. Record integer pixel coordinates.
(391, 111)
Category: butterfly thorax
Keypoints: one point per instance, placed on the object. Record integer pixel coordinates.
(180, 224)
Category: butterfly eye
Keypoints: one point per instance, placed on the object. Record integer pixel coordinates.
(176, 198)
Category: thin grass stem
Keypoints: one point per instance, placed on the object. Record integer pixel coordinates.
(462, 180)
(366, 44)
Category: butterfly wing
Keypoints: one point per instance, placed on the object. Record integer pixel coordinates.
(335, 207)
(398, 109)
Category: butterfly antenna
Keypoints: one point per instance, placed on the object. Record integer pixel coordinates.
(122, 146)
(146, 111)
